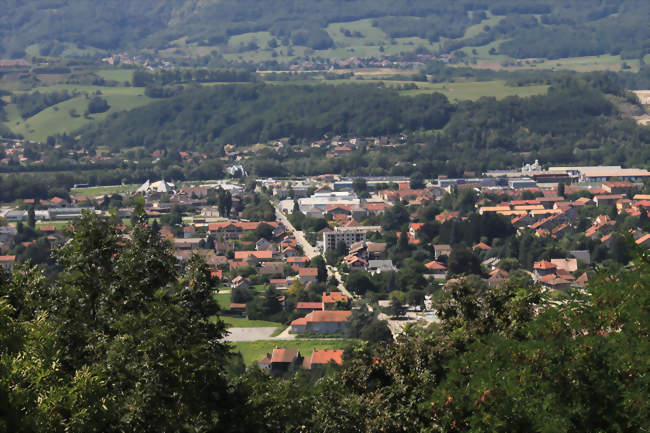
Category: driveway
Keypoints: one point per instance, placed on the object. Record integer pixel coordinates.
(254, 334)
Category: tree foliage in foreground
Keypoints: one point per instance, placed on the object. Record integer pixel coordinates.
(123, 341)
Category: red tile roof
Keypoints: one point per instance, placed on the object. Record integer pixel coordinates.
(435, 266)
(325, 356)
(544, 265)
(284, 355)
(308, 272)
(243, 255)
(309, 306)
(333, 297)
(328, 316)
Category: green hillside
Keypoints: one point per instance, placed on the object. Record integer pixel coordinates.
(541, 29)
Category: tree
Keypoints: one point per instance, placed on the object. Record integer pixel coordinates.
(98, 105)
(119, 303)
(397, 309)
(319, 263)
(359, 185)
(416, 181)
(560, 189)
(359, 283)
(462, 260)
(31, 217)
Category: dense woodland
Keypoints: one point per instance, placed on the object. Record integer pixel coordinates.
(546, 28)
(125, 340)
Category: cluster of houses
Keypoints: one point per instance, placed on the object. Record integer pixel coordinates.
(281, 360)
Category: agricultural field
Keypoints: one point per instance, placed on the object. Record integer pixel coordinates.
(68, 116)
(473, 90)
(253, 351)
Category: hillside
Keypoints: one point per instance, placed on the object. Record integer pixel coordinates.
(545, 29)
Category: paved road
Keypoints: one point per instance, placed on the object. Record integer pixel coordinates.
(254, 334)
(309, 250)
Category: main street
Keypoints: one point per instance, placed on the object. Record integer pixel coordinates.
(308, 249)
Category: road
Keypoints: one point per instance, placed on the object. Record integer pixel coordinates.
(308, 249)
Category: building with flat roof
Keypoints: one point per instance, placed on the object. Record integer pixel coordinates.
(348, 237)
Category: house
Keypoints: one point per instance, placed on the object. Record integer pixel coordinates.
(322, 322)
(543, 268)
(308, 275)
(298, 261)
(644, 241)
(263, 245)
(497, 276)
(188, 231)
(482, 246)
(272, 268)
(240, 282)
(436, 269)
(607, 199)
(329, 299)
(190, 244)
(238, 307)
(568, 265)
(552, 281)
(258, 255)
(379, 266)
(285, 360)
(441, 250)
(308, 307)
(354, 262)
(289, 252)
(320, 358)
(7, 262)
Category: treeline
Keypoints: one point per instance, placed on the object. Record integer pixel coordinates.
(245, 114)
(30, 104)
(163, 78)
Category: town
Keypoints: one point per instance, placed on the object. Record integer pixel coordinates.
(309, 265)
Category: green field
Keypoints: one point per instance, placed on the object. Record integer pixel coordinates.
(57, 119)
(120, 75)
(223, 299)
(255, 350)
(103, 190)
(473, 90)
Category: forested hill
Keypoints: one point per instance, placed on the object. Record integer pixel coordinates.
(540, 28)
(247, 114)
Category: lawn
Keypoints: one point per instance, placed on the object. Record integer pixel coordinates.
(255, 350)
(223, 299)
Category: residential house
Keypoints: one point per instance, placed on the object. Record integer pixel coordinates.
(240, 282)
(263, 245)
(7, 262)
(379, 266)
(308, 275)
(285, 360)
(321, 358)
(436, 269)
(258, 255)
(322, 322)
(272, 268)
(543, 268)
(308, 307)
(190, 244)
(330, 299)
(568, 265)
(298, 261)
(441, 250)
